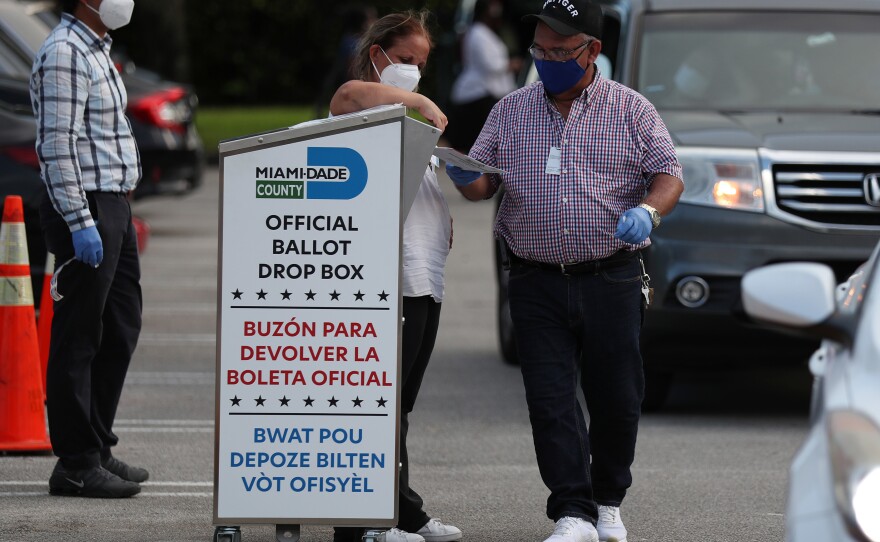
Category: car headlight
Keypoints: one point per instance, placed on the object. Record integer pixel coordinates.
(865, 500)
(854, 441)
(721, 178)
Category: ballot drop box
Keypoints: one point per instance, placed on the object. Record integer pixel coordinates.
(309, 320)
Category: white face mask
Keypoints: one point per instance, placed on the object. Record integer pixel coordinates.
(403, 76)
(114, 13)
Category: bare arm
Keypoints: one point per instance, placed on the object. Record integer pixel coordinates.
(359, 95)
(664, 193)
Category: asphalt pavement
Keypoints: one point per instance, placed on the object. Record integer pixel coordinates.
(711, 466)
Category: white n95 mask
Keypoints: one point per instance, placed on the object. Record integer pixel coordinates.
(403, 76)
(114, 13)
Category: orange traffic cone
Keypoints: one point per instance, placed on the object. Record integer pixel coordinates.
(44, 323)
(22, 418)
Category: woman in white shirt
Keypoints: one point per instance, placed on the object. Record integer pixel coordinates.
(486, 76)
(388, 63)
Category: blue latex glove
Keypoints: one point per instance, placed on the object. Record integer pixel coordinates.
(461, 177)
(87, 246)
(634, 226)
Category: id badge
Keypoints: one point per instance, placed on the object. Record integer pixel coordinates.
(554, 162)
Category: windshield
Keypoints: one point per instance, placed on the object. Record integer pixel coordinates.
(761, 61)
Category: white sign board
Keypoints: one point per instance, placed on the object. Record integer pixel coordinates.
(308, 328)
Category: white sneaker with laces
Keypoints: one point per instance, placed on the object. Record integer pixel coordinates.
(436, 531)
(610, 526)
(396, 535)
(569, 529)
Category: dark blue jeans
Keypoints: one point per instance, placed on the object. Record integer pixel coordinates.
(589, 322)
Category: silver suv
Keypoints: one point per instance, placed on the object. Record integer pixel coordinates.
(834, 480)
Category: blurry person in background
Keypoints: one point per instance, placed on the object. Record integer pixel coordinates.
(89, 162)
(487, 75)
(355, 20)
(388, 65)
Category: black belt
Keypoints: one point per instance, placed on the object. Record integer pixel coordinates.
(619, 258)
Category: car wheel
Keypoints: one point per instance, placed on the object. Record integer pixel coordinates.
(505, 329)
(657, 386)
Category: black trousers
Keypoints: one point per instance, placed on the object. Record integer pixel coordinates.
(422, 318)
(95, 329)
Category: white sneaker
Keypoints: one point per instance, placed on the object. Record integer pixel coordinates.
(610, 526)
(396, 535)
(436, 531)
(569, 529)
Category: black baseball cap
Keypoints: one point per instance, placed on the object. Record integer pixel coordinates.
(570, 17)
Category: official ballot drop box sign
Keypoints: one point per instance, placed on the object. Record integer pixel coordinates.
(309, 318)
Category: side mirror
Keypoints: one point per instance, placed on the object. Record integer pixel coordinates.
(798, 297)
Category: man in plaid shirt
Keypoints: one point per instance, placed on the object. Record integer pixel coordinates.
(589, 169)
(89, 163)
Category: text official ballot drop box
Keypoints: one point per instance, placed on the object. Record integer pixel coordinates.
(309, 318)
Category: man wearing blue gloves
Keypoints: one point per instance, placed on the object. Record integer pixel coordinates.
(589, 168)
(89, 163)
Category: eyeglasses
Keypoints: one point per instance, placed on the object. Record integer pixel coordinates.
(556, 55)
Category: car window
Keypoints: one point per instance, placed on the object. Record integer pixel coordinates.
(766, 60)
(610, 43)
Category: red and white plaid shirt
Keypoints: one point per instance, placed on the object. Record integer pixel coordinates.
(611, 147)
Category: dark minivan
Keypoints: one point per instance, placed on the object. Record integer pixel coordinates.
(774, 107)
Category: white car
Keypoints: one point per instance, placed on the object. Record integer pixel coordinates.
(834, 480)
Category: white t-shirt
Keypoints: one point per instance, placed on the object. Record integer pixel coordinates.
(427, 234)
(486, 69)
(426, 238)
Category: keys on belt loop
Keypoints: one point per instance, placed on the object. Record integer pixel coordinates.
(647, 291)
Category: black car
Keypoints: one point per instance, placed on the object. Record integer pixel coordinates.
(773, 107)
(161, 112)
(19, 167)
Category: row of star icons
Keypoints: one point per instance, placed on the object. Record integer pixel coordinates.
(308, 401)
(310, 295)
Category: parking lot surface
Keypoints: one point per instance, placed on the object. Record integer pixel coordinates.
(711, 466)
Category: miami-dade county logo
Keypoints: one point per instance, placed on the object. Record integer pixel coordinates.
(330, 173)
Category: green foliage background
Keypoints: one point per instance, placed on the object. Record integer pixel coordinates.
(259, 52)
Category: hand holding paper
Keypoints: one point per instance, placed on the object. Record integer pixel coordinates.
(463, 161)
(461, 177)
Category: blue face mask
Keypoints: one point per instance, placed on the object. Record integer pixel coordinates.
(559, 76)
